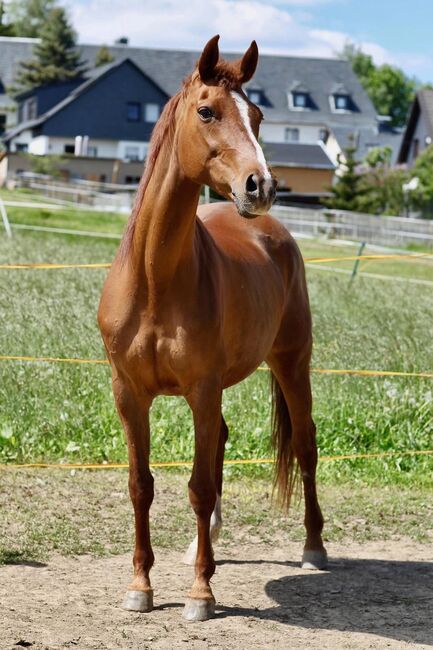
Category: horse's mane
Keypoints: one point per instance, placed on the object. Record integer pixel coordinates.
(225, 74)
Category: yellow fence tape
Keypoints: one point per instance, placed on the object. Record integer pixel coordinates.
(15, 267)
(319, 371)
(310, 260)
(188, 463)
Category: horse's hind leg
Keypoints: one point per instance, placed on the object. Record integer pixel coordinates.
(134, 414)
(293, 377)
(216, 518)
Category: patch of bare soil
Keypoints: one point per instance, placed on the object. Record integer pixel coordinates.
(374, 595)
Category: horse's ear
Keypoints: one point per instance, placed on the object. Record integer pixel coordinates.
(248, 63)
(208, 59)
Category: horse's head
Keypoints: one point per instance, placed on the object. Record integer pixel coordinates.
(218, 130)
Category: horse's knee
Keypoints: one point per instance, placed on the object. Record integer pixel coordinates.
(141, 489)
(202, 498)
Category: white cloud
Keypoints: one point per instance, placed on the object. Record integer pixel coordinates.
(188, 25)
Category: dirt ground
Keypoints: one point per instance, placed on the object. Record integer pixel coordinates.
(374, 595)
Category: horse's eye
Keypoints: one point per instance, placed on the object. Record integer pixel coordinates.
(205, 113)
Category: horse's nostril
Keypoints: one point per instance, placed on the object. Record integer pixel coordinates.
(251, 185)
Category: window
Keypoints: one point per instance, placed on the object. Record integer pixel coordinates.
(133, 111)
(69, 148)
(291, 135)
(32, 108)
(323, 135)
(151, 113)
(20, 113)
(132, 180)
(254, 96)
(415, 150)
(20, 146)
(92, 152)
(341, 102)
(299, 100)
(132, 153)
(2, 123)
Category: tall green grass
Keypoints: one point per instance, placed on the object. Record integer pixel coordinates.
(66, 413)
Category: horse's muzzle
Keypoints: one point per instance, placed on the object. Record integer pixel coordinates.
(256, 197)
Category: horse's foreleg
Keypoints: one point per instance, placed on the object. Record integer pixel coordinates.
(216, 518)
(134, 414)
(205, 402)
(294, 380)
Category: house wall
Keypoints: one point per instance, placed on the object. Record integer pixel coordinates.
(39, 146)
(101, 110)
(105, 148)
(42, 145)
(276, 132)
(421, 133)
(303, 179)
(73, 167)
(332, 148)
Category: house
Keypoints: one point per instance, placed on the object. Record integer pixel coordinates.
(113, 110)
(305, 101)
(419, 128)
(300, 168)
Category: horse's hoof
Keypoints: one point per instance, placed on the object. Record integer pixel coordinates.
(314, 560)
(139, 601)
(191, 553)
(199, 609)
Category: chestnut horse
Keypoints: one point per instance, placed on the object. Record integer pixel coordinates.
(193, 304)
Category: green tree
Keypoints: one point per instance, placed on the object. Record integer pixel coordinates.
(389, 89)
(7, 28)
(347, 190)
(103, 56)
(422, 197)
(382, 185)
(29, 16)
(55, 57)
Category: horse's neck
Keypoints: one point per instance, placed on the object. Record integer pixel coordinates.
(164, 233)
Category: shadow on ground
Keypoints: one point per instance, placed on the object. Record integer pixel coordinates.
(390, 599)
(18, 557)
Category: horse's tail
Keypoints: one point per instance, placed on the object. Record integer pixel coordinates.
(286, 469)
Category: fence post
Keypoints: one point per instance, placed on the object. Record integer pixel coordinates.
(5, 218)
(355, 266)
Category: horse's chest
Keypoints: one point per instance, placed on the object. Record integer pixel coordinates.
(162, 358)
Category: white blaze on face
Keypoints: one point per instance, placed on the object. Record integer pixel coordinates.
(243, 110)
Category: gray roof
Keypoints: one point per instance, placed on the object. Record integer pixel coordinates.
(296, 154)
(425, 98)
(423, 103)
(276, 75)
(367, 137)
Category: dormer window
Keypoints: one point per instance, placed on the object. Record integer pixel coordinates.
(300, 100)
(256, 96)
(341, 102)
(299, 97)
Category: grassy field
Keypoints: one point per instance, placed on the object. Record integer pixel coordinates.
(66, 413)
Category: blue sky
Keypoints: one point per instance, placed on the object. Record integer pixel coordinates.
(394, 31)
